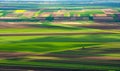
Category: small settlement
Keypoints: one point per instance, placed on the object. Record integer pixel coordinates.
(102, 15)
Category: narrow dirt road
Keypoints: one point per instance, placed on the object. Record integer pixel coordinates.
(53, 34)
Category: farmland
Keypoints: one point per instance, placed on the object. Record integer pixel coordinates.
(59, 52)
(58, 4)
(59, 36)
(47, 50)
(103, 15)
(18, 13)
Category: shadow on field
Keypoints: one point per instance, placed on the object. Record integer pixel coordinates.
(87, 52)
(43, 47)
(51, 26)
(39, 46)
(105, 27)
(81, 38)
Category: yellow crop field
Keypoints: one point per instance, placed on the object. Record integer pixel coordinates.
(19, 11)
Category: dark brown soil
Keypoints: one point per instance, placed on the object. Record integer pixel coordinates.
(99, 26)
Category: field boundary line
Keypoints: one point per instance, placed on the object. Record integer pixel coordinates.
(52, 34)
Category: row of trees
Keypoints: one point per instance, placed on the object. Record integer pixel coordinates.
(51, 18)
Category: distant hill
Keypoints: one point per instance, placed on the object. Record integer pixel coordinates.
(37, 4)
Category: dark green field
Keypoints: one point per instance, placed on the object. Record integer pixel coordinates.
(86, 52)
(81, 52)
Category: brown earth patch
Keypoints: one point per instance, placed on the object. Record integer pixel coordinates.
(98, 26)
(101, 60)
(12, 54)
(75, 24)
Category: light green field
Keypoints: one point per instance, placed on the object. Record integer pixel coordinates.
(87, 12)
(32, 43)
(49, 27)
(44, 30)
(51, 47)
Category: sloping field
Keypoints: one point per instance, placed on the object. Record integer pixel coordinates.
(88, 52)
(100, 53)
(58, 27)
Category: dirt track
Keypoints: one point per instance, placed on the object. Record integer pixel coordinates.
(53, 34)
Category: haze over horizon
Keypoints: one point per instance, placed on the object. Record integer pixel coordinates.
(59, 0)
(23, 4)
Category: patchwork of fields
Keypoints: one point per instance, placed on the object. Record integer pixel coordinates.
(101, 15)
(52, 36)
(82, 52)
(59, 52)
(46, 13)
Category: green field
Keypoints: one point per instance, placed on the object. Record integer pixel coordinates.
(51, 47)
(45, 30)
(45, 41)
(53, 27)
(83, 52)
(88, 12)
(96, 47)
